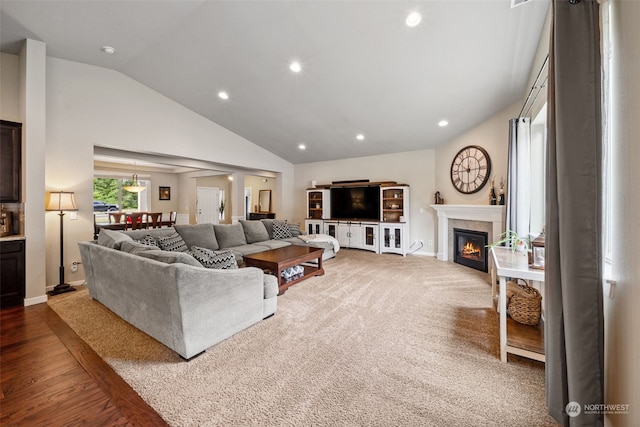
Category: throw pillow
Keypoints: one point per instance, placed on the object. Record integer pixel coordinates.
(136, 248)
(198, 235)
(281, 230)
(112, 239)
(171, 257)
(148, 240)
(172, 243)
(254, 231)
(268, 224)
(223, 260)
(294, 229)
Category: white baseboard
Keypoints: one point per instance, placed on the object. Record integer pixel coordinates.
(44, 298)
(36, 300)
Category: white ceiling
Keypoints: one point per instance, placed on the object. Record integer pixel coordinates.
(364, 71)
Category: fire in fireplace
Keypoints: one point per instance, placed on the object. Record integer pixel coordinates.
(470, 248)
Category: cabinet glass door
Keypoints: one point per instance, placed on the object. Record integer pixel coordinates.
(369, 236)
(387, 237)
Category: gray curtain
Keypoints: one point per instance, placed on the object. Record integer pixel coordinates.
(574, 332)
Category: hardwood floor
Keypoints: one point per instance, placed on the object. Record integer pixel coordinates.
(50, 377)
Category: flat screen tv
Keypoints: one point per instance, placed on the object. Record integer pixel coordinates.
(355, 203)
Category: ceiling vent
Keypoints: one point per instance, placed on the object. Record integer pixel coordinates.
(515, 3)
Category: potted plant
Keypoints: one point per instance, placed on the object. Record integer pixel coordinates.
(512, 239)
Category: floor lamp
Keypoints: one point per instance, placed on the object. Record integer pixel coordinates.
(61, 201)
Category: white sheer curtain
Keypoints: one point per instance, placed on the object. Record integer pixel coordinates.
(519, 176)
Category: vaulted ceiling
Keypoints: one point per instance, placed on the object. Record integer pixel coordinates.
(363, 70)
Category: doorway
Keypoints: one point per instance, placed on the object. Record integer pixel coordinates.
(207, 202)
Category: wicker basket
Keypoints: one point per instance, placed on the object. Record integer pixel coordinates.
(524, 303)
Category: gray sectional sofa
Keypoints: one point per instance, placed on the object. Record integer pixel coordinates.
(175, 299)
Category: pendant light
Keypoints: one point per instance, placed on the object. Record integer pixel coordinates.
(135, 186)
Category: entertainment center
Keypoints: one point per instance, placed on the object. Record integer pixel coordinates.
(362, 215)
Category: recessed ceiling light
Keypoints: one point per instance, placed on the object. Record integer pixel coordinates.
(224, 95)
(295, 67)
(413, 19)
(443, 123)
(230, 177)
(108, 50)
(302, 146)
(359, 137)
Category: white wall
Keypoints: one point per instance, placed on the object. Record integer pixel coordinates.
(493, 136)
(34, 119)
(257, 183)
(415, 168)
(89, 106)
(622, 316)
(10, 87)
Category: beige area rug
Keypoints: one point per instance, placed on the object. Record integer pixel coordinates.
(379, 340)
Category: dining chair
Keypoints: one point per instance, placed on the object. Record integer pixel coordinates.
(115, 217)
(154, 220)
(172, 218)
(135, 220)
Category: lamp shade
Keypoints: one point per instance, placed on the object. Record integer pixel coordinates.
(62, 201)
(135, 186)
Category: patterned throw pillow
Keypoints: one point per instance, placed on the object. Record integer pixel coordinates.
(281, 230)
(172, 243)
(148, 240)
(222, 260)
(294, 229)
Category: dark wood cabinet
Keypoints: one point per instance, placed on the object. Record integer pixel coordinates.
(10, 161)
(261, 215)
(12, 283)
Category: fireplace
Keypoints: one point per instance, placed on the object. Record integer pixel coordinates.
(470, 248)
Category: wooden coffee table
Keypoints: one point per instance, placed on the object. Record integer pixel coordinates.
(275, 261)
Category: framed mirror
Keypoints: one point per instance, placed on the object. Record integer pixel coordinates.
(264, 201)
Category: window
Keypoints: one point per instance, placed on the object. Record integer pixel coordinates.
(538, 175)
(109, 196)
(607, 166)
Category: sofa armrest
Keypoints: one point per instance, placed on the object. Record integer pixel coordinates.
(211, 305)
(270, 286)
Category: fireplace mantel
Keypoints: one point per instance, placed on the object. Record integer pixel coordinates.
(494, 214)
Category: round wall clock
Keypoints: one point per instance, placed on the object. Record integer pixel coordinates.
(470, 169)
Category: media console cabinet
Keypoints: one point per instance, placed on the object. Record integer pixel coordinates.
(363, 215)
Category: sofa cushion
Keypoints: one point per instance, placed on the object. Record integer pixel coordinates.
(281, 230)
(254, 231)
(135, 247)
(112, 239)
(172, 243)
(230, 235)
(268, 224)
(273, 244)
(222, 260)
(170, 257)
(248, 249)
(201, 235)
